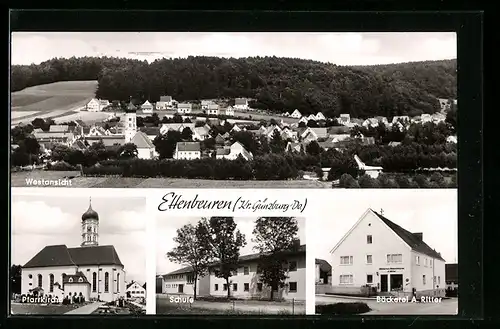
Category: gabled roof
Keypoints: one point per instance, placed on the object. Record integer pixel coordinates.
(57, 255)
(240, 101)
(410, 239)
(78, 277)
(141, 140)
(59, 128)
(147, 104)
(165, 98)
(188, 146)
(243, 259)
(150, 131)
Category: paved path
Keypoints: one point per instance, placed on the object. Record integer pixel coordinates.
(87, 309)
(445, 307)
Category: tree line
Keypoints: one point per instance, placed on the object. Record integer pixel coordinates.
(214, 243)
(419, 180)
(276, 84)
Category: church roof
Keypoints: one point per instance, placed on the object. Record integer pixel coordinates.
(60, 255)
(90, 214)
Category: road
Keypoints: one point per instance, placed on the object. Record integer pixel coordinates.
(445, 307)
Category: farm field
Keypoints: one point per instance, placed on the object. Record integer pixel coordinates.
(85, 116)
(51, 100)
(18, 179)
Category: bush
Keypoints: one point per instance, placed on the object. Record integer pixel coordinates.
(61, 166)
(347, 181)
(342, 308)
(365, 181)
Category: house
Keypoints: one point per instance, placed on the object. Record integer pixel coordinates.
(145, 147)
(338, 133)
(65, 138)
(394, 144)
(288, 134)
(96, 105)
(371, 171)
(400, 118)
(79, 145)
(187, 151)
(91, 270)
(164, 103)
(184, 108)
(311, 134)
(147, 107)
(320, 116)
(233, 152)
(212, 109)
(236, 128)
(381, 119)
(438, 117)
(303, 120)
(219, 139)
(370, 122)
(110, 140)
(323, 271)
(311, 117)
(382, 255)
(245, 283)
(295, 147)
(296, 114)
(201, 133)
(205, 104)
(229, 111)
(135, 290)
(451, 276)
(165, 127)
(344, 119)
(151, 132)
(451, 139)
(269, 131)
(424, 118)
(241, 104)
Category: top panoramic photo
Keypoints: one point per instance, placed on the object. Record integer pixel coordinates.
(233, 110)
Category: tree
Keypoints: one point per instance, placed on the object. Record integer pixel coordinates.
(165, 144)
(15, 279)
(187, 134)
(189, 251)
(366, 181)
(451, 117)
(313, 148)
(347, 181)
(223, 242)
(274, 237)
(343, 164)
(128, 151)
(277, 144)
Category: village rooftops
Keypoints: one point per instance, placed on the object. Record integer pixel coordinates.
(412, 239)
(60, 255)
(243, 259)
(141, 140)
(188, 146)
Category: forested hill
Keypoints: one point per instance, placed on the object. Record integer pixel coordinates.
(278, 84)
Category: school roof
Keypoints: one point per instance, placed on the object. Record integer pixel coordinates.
(243, 259)
(60, 255)
(411, 239)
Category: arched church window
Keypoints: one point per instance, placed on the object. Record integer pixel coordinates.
(30, 276)
(80, 280)
(118, 282)
(40, 280)
(106, 282)
(94, 282)
(51, 282)
(70, 280)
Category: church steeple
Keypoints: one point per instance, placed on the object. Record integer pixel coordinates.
(90, 227)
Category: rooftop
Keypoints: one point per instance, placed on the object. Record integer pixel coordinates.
(60, 255)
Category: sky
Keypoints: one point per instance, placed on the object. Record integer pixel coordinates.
(337, 48)
(432, 212)
(39, 221)
(166, 228)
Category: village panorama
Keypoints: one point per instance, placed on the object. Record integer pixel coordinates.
(146, 141)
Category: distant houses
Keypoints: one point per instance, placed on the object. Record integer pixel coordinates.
(296, 114)
(241, 104)
(212, 109)
(233, 152)
(147, 107)
(165, 103)
(187, 151)
(145, 147)
(229, 111)
(96, 105)
(184, 108)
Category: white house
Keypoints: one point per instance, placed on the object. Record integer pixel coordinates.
(372, 171)
(304, 120)
(135, 290)
(320, 116)
(236, 128)
(241, 104)
(165, 127)
(401, 118)
(205, 103)
(164, 103)
(311, 117)
(212, 109)
(184, 108)
(344, 119)
(201, 133)
(187, 151)
(145, 147)
(370, 122)
(452, 139)
(426, 118)
(232, 152)
(296, 114)
(96, 105)
(147, 107)
(92, 271)
(244, 283)
(229, 111)
(380, 254)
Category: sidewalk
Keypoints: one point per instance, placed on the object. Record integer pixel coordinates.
(87, 309)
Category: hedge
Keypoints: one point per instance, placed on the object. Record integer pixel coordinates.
(343, 308)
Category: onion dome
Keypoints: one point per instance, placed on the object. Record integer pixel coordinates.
(90, 214)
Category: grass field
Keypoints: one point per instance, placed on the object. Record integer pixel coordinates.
(51, 100)
(26, 309)
(18, 179)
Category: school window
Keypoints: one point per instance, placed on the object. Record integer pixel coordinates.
(292, 266)
(346, 279)
(224, 287)
(190, 278)
(246, 286)
(369, 259)
(439, 280)
(259, 286)
(345, 260)
(293, 286)
(394, 258)
(417, 260)
(235, 287)
(423, 279)
(246, 270)
(369, 278)
(216, 287)
(369, 239)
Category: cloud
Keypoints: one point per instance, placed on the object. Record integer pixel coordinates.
(124, 222)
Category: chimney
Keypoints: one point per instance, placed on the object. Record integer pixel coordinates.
(419, 235)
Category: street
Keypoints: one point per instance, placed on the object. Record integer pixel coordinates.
(445, 307)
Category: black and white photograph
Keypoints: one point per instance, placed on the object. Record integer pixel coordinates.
(234, 110)
(393, 252)
(231, 266)
(77, 254)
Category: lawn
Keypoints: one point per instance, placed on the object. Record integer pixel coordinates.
(27, 309)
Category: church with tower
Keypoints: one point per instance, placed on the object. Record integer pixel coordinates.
(90, 270)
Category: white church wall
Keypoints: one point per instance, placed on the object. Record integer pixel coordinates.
(28, 283)
(72, 289)
(116, 287)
